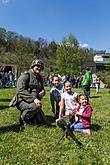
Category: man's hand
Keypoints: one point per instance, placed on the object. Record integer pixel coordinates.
(38, 103)
(41, 94)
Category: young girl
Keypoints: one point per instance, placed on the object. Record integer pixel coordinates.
(55, 94)
(68, 101)
(83, 116)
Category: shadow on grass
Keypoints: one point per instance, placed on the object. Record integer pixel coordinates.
(11, 128)
(95, 97)
(17, 127)
(50, 118)
(95, 127)
(48, 125)
(3, 107)
(5, 100)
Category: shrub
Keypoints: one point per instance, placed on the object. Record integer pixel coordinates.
(104, 76)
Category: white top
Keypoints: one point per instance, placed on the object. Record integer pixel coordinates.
(70, 100)
(81, 111)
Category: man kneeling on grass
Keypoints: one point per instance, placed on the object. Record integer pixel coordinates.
(30, 91)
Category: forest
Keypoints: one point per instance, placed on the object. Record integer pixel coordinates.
(65, 58)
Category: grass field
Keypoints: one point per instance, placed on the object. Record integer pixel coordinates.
(36, 144)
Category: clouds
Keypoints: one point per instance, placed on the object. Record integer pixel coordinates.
(5, 1)
(84, 45)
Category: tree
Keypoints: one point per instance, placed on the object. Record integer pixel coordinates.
(71, 41)
(52, 48)
(69, 56)
(11, 41)
(2, 37)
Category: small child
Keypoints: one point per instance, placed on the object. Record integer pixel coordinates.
(55, 94)
(68, 101)
(97, 84)
(83, 116)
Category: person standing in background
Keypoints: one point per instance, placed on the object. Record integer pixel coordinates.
(97, 84)
(87, 81)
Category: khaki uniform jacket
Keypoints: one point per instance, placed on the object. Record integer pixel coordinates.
(28, 86)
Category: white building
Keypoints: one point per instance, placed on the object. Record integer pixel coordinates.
(102, 58)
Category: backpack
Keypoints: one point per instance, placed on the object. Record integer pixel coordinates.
(14, 100)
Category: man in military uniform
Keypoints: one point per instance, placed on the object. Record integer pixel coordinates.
(30, 90)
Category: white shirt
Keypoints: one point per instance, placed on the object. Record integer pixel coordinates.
(70, 100)
(81, 111)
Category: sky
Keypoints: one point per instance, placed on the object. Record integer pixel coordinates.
(87, 20)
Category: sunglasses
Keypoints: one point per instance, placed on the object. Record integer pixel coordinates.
(39, 66)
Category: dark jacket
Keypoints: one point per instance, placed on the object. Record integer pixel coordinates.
(28, 86)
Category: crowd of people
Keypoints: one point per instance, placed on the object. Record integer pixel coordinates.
(7, 79)
(63, 100)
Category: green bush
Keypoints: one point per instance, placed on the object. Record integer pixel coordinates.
(104, 76)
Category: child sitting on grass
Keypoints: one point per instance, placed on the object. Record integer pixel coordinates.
(68, 102)
(83, 116)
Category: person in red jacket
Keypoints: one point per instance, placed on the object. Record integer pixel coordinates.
(83, 116)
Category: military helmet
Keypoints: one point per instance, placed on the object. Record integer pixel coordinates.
(37, 62)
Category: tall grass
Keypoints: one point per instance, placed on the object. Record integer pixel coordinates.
(37, 144)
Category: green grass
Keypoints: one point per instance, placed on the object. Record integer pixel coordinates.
(36, 144)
